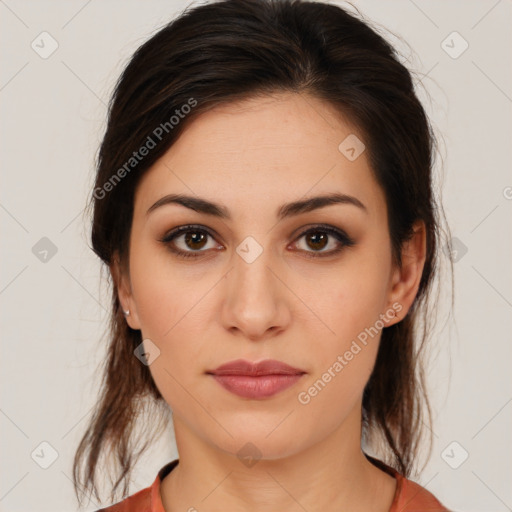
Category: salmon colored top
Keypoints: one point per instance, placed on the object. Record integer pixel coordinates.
(409, 496)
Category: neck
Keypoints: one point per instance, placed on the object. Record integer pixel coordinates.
(332, 474)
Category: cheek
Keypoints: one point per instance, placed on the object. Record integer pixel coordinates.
(348, 325)
(344, 356)
(349, 300)
(162, 295)
(334, 394)
(172, 312)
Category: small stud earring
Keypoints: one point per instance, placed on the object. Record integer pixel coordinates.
(127, 312)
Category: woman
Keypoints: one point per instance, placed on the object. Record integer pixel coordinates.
(264, 204)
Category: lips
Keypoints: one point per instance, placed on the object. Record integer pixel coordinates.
(256, 380)
(266, 367)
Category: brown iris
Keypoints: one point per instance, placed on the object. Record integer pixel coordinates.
(195, 237)
(318, 239)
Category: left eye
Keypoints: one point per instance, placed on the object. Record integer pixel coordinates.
(319, 238)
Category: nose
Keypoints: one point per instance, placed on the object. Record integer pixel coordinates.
(256, 302)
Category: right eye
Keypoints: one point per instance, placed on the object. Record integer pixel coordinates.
(187, 241)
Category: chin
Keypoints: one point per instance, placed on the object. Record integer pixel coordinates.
(252, 444)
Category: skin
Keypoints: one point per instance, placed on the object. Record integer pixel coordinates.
(252, 157)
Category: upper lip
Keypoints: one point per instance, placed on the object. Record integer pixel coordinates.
(266, 367)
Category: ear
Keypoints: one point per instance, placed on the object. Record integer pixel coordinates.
(405, 280)
(121, 278)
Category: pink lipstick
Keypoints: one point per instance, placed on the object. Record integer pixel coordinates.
(256, 380)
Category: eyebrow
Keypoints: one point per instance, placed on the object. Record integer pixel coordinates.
(286, 210)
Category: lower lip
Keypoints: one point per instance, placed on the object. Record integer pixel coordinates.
(256, 387)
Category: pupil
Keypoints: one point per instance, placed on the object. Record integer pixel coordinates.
(318, 239)
(194, 238)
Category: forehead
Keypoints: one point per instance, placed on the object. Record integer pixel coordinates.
(275, 148)
(282, 127)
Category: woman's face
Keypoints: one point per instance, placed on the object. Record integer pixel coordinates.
(256, 287)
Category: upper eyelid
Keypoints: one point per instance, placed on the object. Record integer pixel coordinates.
(180, 230)
(300, 231)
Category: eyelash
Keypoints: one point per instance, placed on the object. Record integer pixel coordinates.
(341, 236)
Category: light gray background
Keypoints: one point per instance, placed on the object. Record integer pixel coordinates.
(53, 313)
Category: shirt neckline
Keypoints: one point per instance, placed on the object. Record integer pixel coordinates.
(156, 498)
(157, 504)
(395, 474)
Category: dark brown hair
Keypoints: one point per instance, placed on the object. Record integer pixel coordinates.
(232, 50)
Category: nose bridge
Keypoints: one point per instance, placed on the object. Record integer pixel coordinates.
(254, 301)
(251, 277)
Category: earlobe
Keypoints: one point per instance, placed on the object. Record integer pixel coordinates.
(407, 278)
(121, 281)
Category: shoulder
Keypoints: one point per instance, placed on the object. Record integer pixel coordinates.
(146, 500)
(415, 498)
(409, 496)
(138, 502)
